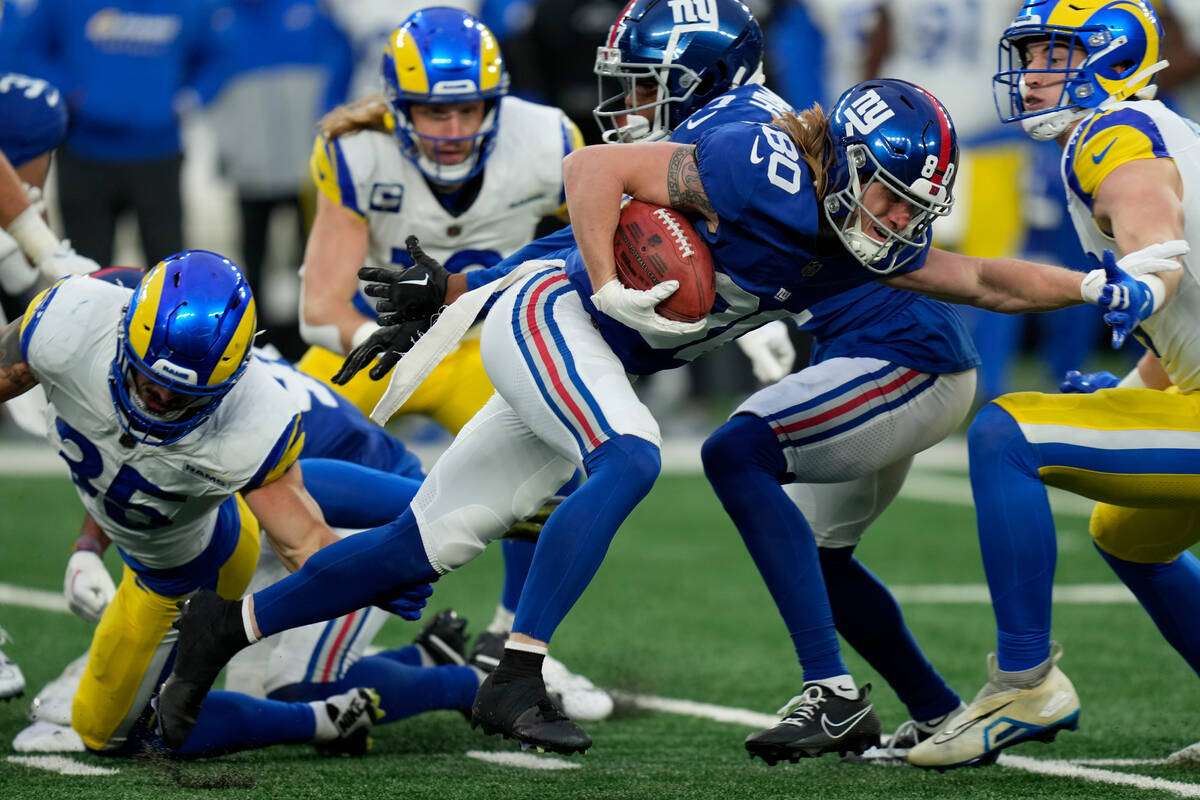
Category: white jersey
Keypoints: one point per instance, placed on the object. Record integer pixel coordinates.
(366, 173)
(1104, 141)
(948, 48)
(159, 504)
(845, 26)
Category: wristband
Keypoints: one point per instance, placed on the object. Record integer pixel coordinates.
(32, 233)
(89, 543)
(1157, 290)
(1133, 380)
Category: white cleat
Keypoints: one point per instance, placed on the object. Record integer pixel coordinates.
(53, 702)
(1187, 757)
(999, 718)
(12, 682)
(46, 737)
(578, 696)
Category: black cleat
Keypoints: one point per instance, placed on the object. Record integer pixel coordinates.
(818, 721)
(520, 709)
(487, 651)
(444, 639)
(210, 633)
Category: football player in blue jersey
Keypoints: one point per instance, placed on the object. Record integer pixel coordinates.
(443, 152)
(1081, 73)
(564, 335)
(840, 434)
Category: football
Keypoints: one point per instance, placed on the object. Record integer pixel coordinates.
(655, 244)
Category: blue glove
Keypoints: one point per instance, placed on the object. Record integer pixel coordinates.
(1127, 299)
(1076, 382)
(408, 604)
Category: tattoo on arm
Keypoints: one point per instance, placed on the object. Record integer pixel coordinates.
(15, 375)
(684, 188)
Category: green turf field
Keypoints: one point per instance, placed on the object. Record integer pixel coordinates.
(677, 611)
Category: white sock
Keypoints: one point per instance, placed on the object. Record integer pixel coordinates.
(841, 685)
(536, 649)
(503, 621)
(325, 730)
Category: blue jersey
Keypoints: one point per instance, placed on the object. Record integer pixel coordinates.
(335, 429)
(831, 295)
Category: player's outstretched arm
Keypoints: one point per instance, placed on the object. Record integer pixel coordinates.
(15, 376)
(293, 521)
(1008, 285)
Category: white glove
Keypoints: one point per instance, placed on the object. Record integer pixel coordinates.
(635, 308)
(87, 586)
(16, 274)
(1158, 257)
(63, 260)
(770, 351)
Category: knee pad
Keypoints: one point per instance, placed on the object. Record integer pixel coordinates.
(1144, 535)
(457, 521)
(744, 441)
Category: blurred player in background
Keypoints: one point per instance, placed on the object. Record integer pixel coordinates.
(841, 432)
(446, 155)
(1081, 72)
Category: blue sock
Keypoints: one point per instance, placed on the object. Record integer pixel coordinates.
(361, 570)
(518, 558)
(1170, 593)
(869, 619)
(575, 539)
(353, 496)
(231, 721)
(404, 689)
(744, 463)
(1016, 537)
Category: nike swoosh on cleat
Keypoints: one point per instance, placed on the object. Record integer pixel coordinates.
(424, 280)
(941, 737)
(839, 729)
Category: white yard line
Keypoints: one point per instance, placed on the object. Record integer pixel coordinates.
(61, 765)
(523, 760)
(1068, 769)
(11, 595)
(1088, 594)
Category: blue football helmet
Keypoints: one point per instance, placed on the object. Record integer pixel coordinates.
(688, 52)
(899, 135)
(188, 328)
(444, 55)
(1118, 39)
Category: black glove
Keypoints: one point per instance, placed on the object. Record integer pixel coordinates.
(416, 293)
(388, 343)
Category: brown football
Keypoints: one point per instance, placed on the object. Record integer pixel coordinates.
(655, 244)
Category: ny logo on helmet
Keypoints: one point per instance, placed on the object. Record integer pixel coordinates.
(867, 113)
(693, 10)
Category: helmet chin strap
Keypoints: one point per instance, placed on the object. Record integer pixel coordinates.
(1045, 127)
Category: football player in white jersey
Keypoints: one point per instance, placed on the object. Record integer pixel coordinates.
(1081, 72)
(179, 445)
(446, 155)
